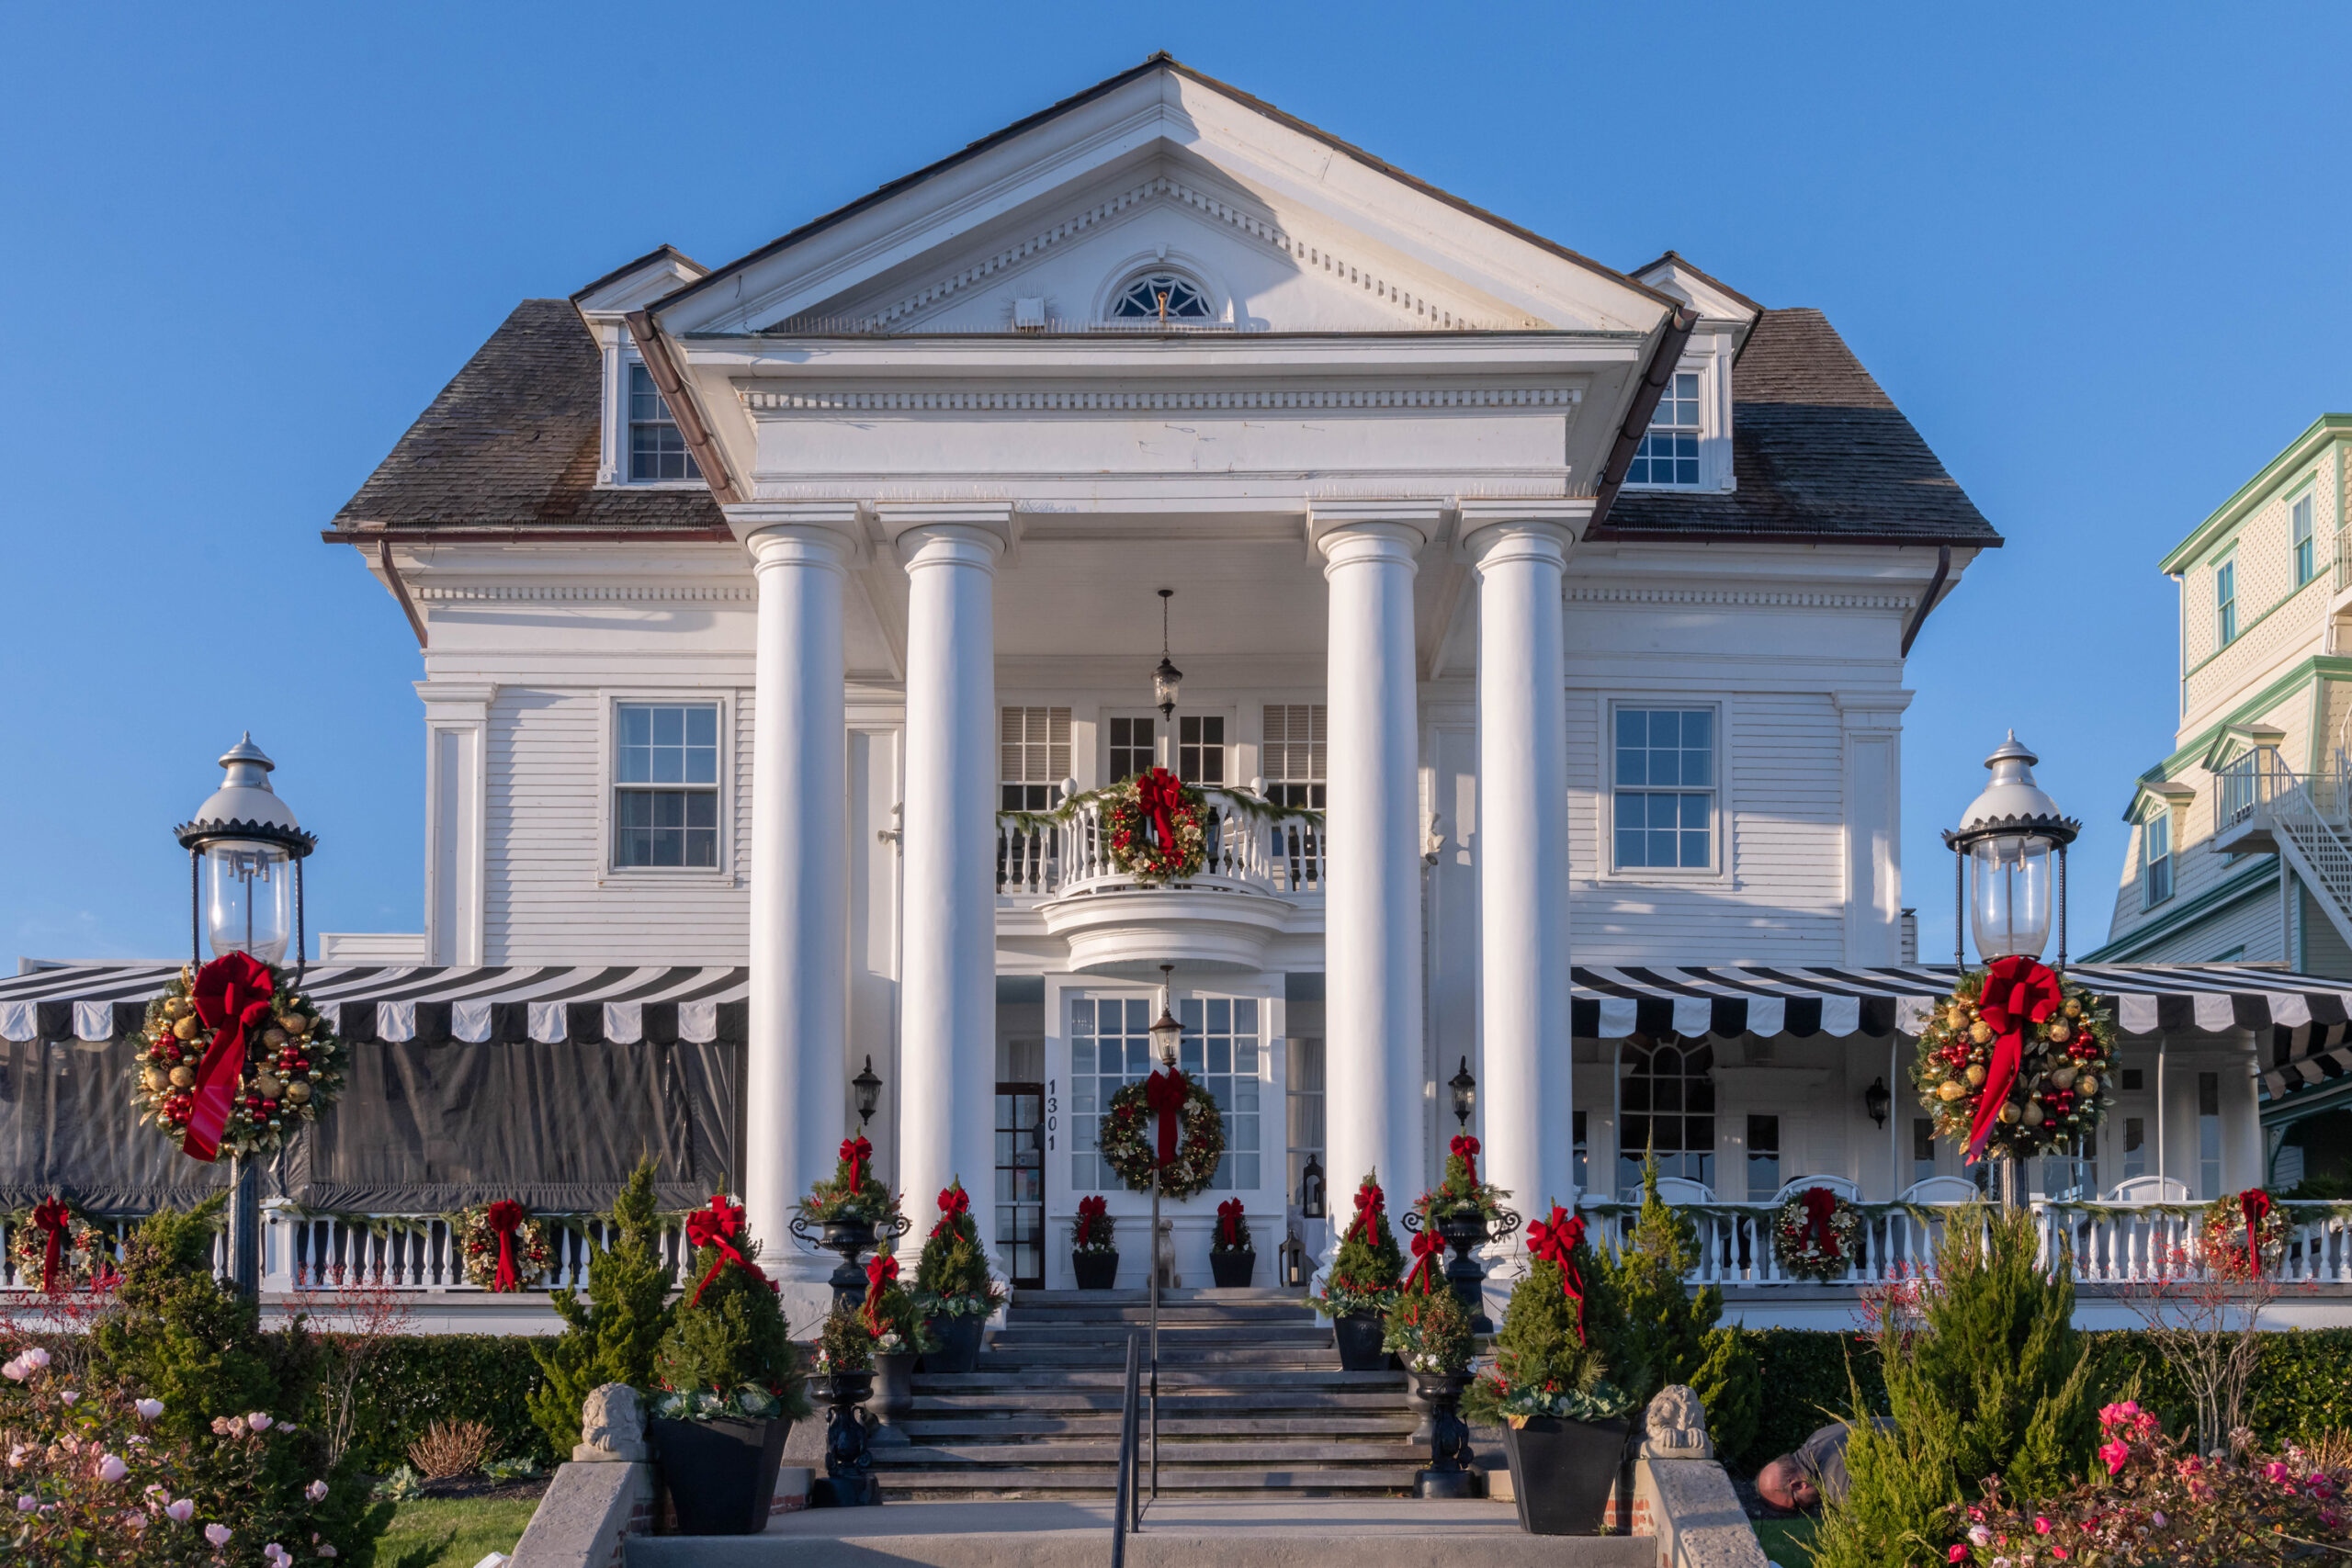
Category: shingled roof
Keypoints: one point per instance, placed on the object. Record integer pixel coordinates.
(1819, 452)
(510, 444)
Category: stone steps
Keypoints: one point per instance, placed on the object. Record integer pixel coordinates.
(1192, 1401)
(1188, 1451)
(1012, 1481)
(921, 1429)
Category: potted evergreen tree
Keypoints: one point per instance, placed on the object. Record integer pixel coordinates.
(1093, 1252)
(1563, 1422)
(728, 1383)
(1361, 1281)
(1427, 1331)
(953, 1286)
(1233, 1256)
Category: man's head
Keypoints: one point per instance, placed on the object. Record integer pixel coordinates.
(1785, 1484)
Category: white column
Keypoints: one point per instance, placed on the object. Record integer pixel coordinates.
(1526, 1097)
(795, 1089)
(1375, 1094)
(947, 1037)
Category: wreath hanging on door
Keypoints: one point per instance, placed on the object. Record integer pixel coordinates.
(1155, 823)
(1126, 1140)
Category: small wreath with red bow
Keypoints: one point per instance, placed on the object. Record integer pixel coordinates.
(234, 1060)
(2243, 1227)
(501, 1246)
(2016, 1061)
(54, 1248)
(1127, 1139)
(1155, 824)
(1814, 1234)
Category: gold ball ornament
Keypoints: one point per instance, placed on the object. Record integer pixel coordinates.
(2060, 1033)
(1949, 1089)
(187, 1027)
(1954, 1017)
(2087, 1084)
(2073, 1010)
(158, 1080)
(1980, 1032)
(1975, 1075)
(273, 1038)
(298, 1093)
(183, 1078)
(267, 1087)
(2009, 1114)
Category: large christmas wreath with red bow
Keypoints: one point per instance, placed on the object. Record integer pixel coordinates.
(2246, 1235)
(55, 1247)
(501, 1246)
(1154, 821)
(1167, 1121)
(1814, 1234)
(2016, 1060)
(234, 1060)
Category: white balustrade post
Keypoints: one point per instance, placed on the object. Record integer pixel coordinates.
(1527, 1105)
(947, 1038)
(795, 1084)
(1375, 1089)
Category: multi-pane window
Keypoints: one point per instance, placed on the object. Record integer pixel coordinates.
(2306, 547)
(1669, 1102)
(665, 784)
(1763, 1158)
(1161, 295)
(2135, 1146)
(2209, 1135)
(1110, 1047)
(1132, 749)
(1664, 787)
(1297, 754)
(1302, 1104)
(1923, 1148)
(1033, 758)
(1219, 1051)
(2155, 858)
(656, 449)
(1200, 749)
(1669, 453)
(2225, 600)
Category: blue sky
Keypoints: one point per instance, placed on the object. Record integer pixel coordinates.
(2096, 254)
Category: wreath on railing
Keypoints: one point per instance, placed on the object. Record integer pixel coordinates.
(2015, 1061)
(1814, 1235)
(1153, 823)
(2246, 1235)
(54, 1246)
(235, 1060)
(1126, 1139)
(501, 1246)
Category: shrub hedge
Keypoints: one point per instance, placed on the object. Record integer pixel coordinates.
(419, 1379)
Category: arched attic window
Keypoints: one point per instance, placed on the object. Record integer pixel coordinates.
(1161, 295)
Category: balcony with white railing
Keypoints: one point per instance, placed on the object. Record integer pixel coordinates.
(1261, 874)
(2262, 806)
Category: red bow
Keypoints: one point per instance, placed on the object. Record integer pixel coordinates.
(1820, 1204)
(1556, 1241)
(1164, 1093)
(232, 994)
(2254, 1203)
(953, 1203)
(1162, 794)
(881, 1275)
(505, 1217)
(718, 1226)
(1369, 1200)
(1089, 1210)
(51, 1215)
(1229, 1221)
(2018, 990)
(855, 1151)
(1427, 1246)
(1467, 1147)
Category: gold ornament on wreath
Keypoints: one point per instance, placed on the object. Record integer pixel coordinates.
(277, 1066)
(2016, 1062)
(1125, 1138)
(502, 1245)
(1155, 825)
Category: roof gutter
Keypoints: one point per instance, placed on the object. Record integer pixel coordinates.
(1663, 359)
(654, 349)
(399, 591)
(1926, 599)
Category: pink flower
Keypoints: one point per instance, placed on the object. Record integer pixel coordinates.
(180, 1512)
(148, 1408)
(258, 1421)
(27, 1503)
(2058, 1553)
(2111, 1414)
(1979, 1534)
(217, 1534)
(33, 1356)
(1957, 1554)
(68, 1395)
(316, 1491)
(2116, 1455)
(2040, 1525)
(2158, 1519)
(2276, 1471)
(326, 1550)
(112, 1469)
(15, 1371)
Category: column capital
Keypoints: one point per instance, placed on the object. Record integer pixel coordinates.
(996, 521)
(1414, 522)
(1553, 526)
(835, 523)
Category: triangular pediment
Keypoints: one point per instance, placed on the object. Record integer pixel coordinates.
(1288, 228)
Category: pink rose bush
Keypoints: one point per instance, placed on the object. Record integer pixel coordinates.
(2163, 1508)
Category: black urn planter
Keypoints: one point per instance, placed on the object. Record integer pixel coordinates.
(849, 1481)
(1448, 1472)
(1095, 1270)
(1359, 1337)
(1461, 1229)
(720, 1473)
(1233, 1270)
(959, 1344)
(1561, 1473)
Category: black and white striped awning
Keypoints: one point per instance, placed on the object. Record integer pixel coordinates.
(617, 1004)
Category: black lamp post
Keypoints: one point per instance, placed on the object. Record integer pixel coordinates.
(1166, 677)
(1466, 1094)
(1166, 1035)
(1877, 1101)
(244, 895)
(868, 1085)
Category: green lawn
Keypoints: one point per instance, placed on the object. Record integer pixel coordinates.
(1786, 1541)
(438, 1532)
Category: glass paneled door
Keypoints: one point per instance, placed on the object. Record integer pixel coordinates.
(1021, 1182)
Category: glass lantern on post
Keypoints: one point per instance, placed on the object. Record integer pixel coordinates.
(2006, 890)
(246, 853)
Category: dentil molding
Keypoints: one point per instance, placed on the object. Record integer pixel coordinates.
(1085, 401)
(1604, 593)
(580, 593)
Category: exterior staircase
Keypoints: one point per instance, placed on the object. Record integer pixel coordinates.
(1251, 1400)
(2305, 820)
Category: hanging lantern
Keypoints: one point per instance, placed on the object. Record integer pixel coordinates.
(2003, 851)
(1166, 678)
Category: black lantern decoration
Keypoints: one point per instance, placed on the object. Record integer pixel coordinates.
(1293, 1254)
(244, 895)
(868, 1085)
(1877, 1101)
(1466, 1094)
(2008, 835)
(1166, 677)
(1310, 1190)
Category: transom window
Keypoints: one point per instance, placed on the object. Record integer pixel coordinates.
(1132, 748)
(2225, 600)
(1669, 1104)
(1297, 754)
(1669, 453)
(1110, 1047)
(1200, 749)
(656, 449)
(2306, 547)
(1035, 758)
(1664, 795)
(665, 784)
(2155, 858)
(1161, 295)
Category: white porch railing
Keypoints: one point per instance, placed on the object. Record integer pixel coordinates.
(1248, 846)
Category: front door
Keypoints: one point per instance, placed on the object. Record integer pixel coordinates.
(1021, 1182)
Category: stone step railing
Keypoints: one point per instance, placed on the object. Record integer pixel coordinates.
(1248, 845)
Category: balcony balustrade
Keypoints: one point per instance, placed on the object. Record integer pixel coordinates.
(1249, 847)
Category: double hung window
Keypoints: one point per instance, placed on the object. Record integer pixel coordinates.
(656, 449)
(1664, 795)
(665, 784)
(1132, 748)
(2306, 545)
(1297, 754)
(2225, 601)
(1669, 453)
(1033, 758)
(1200, 749)
(2155, 858)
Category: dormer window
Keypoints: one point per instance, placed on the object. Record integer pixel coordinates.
(1161, 295)
(656, 450)
(1669, 453)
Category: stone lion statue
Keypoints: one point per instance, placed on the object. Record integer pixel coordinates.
(1675, 1425)
(612, 1428)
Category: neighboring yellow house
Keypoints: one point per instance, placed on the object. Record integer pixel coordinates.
(2240, 844)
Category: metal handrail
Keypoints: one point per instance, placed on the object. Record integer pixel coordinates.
(1126, 1511)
